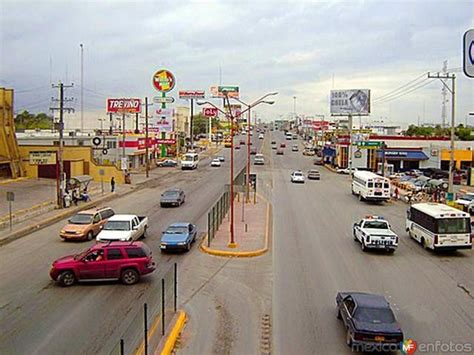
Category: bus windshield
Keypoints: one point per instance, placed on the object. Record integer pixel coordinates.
(454, 226)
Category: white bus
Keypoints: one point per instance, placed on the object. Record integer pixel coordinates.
(439, 227)
(190, 161)
(370, 186)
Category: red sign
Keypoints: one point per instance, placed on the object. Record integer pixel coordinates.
(192, 94)
(124, 106)
(320, 125)
(163, 80)
(166, 141)
(209, 111)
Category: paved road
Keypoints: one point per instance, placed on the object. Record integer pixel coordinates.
(39, 317)
(315, 257)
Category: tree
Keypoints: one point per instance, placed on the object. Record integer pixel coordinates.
(26, 120)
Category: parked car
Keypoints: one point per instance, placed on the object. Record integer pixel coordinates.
(122, 261)
(172, 197)
(216, 162)
(280, 151)
(297, 176)
(178, 236)
(124, 227)
(314, 175)
(467, 202)
(309, 152)
(166, 163)
(369, 321)
(345, 170)
(396, 176)
(85, 225)
(318, 161)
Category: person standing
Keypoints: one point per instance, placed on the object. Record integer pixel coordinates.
(112, 184)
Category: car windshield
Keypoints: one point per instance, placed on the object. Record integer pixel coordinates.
(467, 197)
(176, 230)
(171, 194)
(81, 218)
(117, 226)
(376, 224)
(298, 174)
(374, 315)
(313, 172)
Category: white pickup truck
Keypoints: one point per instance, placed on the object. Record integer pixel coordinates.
(373, 232)
(123, 227)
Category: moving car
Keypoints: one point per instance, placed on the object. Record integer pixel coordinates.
(280, 151)
(242, 142)
(274, 146)
(253, 151)
(122, 261)
(297, 176)
(294, 148)
(261, 136)
(85, 225)
(221, 158)
(313, 175)
(373, 232)
(190, 161)
(282, 145)
(216, 162)
(467, 202)
(259, 160)
(178, 236)
(345, 170)
(124, 227)
(309, 152)
(166, 163)
(369, 322)
(172, 197)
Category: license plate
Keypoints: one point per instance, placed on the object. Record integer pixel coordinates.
(379, 338)
(454, 239)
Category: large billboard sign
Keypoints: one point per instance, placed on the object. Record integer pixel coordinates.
(191, 94)
(218, 91)
(469, 53)
(350, 102)
(163, 80)
(123, 105)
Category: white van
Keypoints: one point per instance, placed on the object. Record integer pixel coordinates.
(190, 161)
(370, 186)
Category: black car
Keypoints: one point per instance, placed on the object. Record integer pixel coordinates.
(172, 197)
(369, 322)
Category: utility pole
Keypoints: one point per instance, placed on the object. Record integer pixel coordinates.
(191, 123)
(147, 169)
(82, 88)
(452, 90)
(350, 145)
(61, 109)
(444, 93)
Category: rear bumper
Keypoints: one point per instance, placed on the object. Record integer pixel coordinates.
(170, 247)
(453, 247)
(382, 246)
(169, 204)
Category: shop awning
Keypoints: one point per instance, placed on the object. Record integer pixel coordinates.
(403, 155)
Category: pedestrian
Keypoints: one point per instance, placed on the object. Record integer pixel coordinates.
(396, 192)
(75, 197)
(409, 196)
(112, 184)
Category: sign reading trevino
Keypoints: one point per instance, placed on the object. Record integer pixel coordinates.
(192, 94)
(350, 102)
(123, 105)
(43, 158)
(209, 111)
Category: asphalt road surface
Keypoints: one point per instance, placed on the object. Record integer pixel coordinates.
(315, 256)
(38, 317)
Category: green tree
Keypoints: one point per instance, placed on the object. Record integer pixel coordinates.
(26, 120)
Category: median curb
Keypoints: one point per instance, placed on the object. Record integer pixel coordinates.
(176, 330)
(9, 181)
(330, 168)
(241, 254)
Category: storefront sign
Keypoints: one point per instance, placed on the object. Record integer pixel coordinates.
(368, 145)
(123, 105)
(218, 91)
(166, 141)
(192, 94)
(389, 153)
(165, 113)
(163, 80)
(354, 102)
(210, 111)
(43, 158)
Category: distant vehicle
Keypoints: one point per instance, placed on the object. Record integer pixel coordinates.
(345, 171)
(274, 146)
(172, 197)
(309, 152)
(242, 142)
(294, 148)
(261, 136)
(370, 186)
(414, 172)
(190, 161)
(373, 232)
(122, 261)
(369, 321)
(282, 145)
(228, 142)
(314, 175)
(280, 151)
(295, 136)
(288, 136)
(216, 162)
(318, 161)
(396, 176)
(259, 160)
(297, 176)
(124, 227)
(178, 236)
(253, 151)
(237, 147)
(166, 163)
(467, 202)
(273, 142)
(221, 158)
(85, 225)
(439, 227)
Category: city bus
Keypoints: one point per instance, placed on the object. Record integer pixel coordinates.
(369, 186)
(439, 227)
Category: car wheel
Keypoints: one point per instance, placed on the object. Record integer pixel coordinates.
(360, 197)
(391, 251)
(188, 246)
(90, 235)
(423, 243)
(362, 246)
(348, 338)
(339, 314)
(66, 278)
(129, 277)
(145, 232)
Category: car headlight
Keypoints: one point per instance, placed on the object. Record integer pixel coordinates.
(181, 243)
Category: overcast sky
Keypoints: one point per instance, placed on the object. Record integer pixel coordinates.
(298, 48)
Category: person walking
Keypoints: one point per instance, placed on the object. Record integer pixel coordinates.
(112, 184)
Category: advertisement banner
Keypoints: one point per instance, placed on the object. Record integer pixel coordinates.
(215, 93)
(43, 158)
(166, 141)
(192, 94)
(354, 102)
(161, 124)
(163, 80)
(236, 109)
(167, 113)
(124, 105)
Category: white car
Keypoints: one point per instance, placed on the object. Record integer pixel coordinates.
(345, 170)
(123, 227)
(373, 232)
(216, 162)
(261, 136)
(467, 202)
(294, 148)
(259, 160)
(297, 176)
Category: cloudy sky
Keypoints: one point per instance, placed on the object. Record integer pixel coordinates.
(298, 48)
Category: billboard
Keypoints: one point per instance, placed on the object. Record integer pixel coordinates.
(124, 105)
(163, 80)
(165, 113)
(217, 91)
(353, 102)
(191, 94)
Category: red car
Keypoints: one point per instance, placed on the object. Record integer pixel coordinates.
(282, 145)
(122, 261)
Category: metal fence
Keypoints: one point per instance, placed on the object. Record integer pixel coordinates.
(146, 329)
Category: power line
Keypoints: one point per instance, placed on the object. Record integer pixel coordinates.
(400, 89)
(420, 85)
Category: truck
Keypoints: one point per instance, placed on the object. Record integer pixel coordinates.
(373, 232)
(124, 227)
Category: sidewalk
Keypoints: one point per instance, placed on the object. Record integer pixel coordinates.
(251, 237)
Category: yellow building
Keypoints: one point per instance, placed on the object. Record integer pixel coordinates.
(464, 158)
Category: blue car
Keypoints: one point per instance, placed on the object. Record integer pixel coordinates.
(178, 236)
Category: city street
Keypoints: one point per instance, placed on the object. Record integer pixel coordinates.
(315, 257)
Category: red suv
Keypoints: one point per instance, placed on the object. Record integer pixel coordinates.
(122, 261)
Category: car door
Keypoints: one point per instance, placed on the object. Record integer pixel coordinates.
(357, 230)
(193, 232)
(90, 268)
(135, 228)
(96, 223)
(114, 260)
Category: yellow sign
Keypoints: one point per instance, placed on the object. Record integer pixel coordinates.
(43, 158)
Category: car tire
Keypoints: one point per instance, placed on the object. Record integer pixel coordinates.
(423, 243)
(188, 246)
(145, 232)
(361, 198)
(391, 251)
(339, 314)
(348, 338)
(66, 278)
(90, 235)
(362, 246)
(129, 277)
